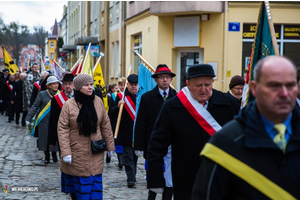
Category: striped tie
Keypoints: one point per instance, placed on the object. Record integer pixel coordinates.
(279, 138)
(165, 96)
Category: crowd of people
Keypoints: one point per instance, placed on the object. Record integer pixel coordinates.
(197, 143)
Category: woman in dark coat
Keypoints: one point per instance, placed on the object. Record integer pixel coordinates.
(41, 108)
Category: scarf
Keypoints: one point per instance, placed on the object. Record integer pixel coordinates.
(87, 117)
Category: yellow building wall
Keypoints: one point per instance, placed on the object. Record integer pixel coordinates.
(212, 41)
(148, 26)
(248, 13)
(52, 50)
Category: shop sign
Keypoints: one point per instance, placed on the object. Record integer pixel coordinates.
(249, 31)
(291, 32)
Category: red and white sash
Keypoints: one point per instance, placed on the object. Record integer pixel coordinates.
(37, 85)
(129, 105)
(200, 114)
(61, 98)
(10, 87)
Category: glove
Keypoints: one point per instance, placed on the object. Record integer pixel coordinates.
(27, 122)
(139, 153)
(157, 190)
(110, 153)
(68, 159)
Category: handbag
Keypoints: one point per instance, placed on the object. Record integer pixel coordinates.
(98, 146)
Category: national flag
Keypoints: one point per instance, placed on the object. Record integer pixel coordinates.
(78, 67)
(9, 63)
(262, 46)
(42, 66)
(99, 83)
(57, 71)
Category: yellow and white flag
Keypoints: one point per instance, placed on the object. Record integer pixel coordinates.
(99, 83)
(87, 68)
(9, 63)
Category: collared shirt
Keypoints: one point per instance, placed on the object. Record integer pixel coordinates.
(161, 92)
(72, 94)
(272, 132)
(298, 102)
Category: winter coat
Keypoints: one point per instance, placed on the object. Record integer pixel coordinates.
(6, 90)
(17, 96)
(254, 147)
(40, 102)
(149, 108)
(175, 126)
(126, 124)
(27, 89)
(84, 163)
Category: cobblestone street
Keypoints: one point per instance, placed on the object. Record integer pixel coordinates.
(22, 168)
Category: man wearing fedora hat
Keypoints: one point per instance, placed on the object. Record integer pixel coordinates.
(186, 122)
(149, 108)
(126, 126)
(56, 106)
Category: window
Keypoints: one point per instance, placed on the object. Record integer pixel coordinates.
(25, 56)
(137, 46)
(288, 41)
(117, 61)
(102, 6)
(112, 64)
(52, 44)
(52, 56)
(111, 3)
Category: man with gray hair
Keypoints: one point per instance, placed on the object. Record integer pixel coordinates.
(17, 99)
(257, 155)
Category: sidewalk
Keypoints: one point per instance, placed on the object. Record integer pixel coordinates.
(21, 168)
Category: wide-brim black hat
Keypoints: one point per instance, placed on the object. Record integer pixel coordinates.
(68, 77)
(162, 69)
(200, 70)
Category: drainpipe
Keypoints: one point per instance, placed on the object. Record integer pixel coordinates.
(120, 38)
(224, 88)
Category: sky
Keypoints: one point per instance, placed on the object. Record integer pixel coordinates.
(32, 13)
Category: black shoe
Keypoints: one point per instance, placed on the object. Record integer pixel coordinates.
(17, 123)
(47, 157)
(9, 121)
(130, 184)
(151, 195)
(120, 166)
(54, 157)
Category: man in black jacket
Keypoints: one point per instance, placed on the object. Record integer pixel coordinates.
(149, 108)
(257, 155)
(8, 87)
(126, 126)
(3, 78)
(17, 99)
(186, 122)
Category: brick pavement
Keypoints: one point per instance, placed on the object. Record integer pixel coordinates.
(21, 166)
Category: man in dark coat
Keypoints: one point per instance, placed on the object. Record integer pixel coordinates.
(37, 87)
(149, 108)
(56, 106)
(126, 126)
(257, 155)
(17, 99)
(3, 78)
(7, 92)
(186, 122)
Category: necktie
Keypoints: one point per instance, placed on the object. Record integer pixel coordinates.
(279, 138)
(165, 96)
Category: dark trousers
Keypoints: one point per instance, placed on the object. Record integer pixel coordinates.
(10, 110)
(23, 118)
(130, 162)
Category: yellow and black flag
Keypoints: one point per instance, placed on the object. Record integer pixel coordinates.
(9, 63)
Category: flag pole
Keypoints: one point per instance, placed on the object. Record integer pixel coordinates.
(148, 65)
(76, 63)
(101, 55)
(79, 66)
(121, 108)
(85, 58)
(42, 63)
(271, 26)
(59, 66)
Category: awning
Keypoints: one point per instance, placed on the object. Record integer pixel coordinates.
(86, 40)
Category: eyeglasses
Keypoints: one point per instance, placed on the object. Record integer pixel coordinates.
(237, 89)
(163, 77)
